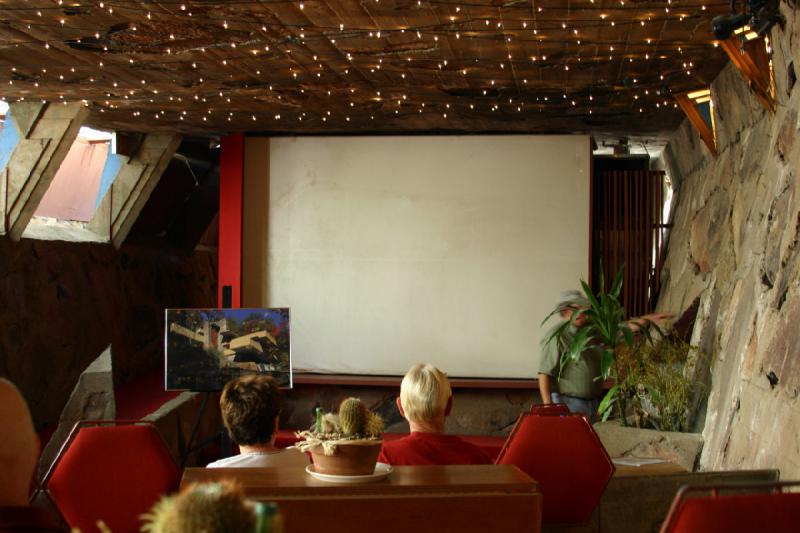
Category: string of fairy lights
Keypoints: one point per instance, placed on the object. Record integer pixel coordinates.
(197, 63)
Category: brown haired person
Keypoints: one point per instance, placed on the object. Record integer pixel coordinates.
(250, 408)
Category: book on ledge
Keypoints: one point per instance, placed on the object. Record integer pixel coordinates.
(637, 461)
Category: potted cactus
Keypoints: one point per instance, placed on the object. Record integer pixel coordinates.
(346, 443)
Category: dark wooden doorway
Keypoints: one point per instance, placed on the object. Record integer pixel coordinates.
(628, 228)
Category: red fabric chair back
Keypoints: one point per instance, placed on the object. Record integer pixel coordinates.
(564, 454)
(551, 409)
(111, 473)
(734, 513)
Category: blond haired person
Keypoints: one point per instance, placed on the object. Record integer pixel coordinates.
(425, 400)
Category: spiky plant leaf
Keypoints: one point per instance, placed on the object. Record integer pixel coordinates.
(590, 294)
(579, 343)
(556, 334)
(606, 361)
(627, 334)
(601, 279)
(607, 404)
(616, 286)
(550, 315)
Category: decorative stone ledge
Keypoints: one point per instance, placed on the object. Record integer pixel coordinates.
(679, 448)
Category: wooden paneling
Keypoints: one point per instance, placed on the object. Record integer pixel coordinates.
(628, 231)
(325, 66)
(421, 499)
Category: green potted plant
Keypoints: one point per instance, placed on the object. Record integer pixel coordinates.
(346, 443)
(601, 325)
(656, 381)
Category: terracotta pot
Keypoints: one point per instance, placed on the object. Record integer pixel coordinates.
(352, 458)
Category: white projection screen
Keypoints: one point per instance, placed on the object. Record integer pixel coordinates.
(443, 249)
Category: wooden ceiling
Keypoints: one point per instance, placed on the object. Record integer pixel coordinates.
(363, 66)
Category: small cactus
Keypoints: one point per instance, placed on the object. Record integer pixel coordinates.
(374, 425)
(202, 507)
(354, 422)
(329, 423)
(353, 415)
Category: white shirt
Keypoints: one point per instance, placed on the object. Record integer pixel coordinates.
(291, 457)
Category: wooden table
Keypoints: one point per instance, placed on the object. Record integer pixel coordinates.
(413, 499)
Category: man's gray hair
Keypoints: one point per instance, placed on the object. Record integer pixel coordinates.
(572, 298)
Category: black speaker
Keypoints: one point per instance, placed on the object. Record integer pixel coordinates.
(227, 296)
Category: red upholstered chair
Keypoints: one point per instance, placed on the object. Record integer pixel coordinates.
(110, 471)
(563, 453)
(550, 409)
(735, 508)
(285, 438)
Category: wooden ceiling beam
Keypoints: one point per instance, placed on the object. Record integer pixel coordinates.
(182, 86)
(751, 59)
(64, 51)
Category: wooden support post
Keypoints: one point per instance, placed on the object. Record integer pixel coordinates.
(703, 129)
(752, 60)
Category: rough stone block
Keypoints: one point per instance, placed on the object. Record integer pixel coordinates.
(710, 231)
(680, 448)
(736, 106)
(91, 399)
(64, 303)
(176, 419)
(753, 151)
(785, 141)
(752, 330)
(780, 355)
(684, 154)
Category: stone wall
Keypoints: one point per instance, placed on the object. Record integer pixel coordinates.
(62, 304)
(476, 411)
(735, 246)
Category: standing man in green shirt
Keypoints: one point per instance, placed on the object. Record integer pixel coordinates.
(579, 386)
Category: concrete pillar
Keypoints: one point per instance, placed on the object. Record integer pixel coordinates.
(136, 177)
(92, 398)
(34, 141)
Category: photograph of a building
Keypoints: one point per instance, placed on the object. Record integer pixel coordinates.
(205, 348)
